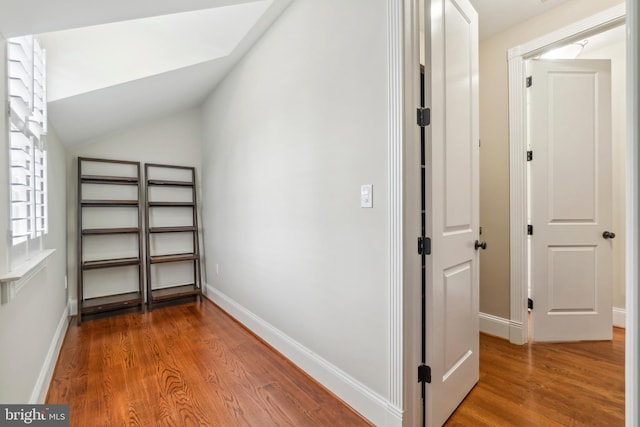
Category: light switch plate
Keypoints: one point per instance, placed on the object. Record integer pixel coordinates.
(366, 196)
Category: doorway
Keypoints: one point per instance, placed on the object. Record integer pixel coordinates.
(519, 206)
(582, 184)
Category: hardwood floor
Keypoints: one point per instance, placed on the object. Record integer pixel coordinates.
(191, 364)
(187, 364)
(569, 384)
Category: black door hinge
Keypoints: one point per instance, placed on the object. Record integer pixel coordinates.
(529, 81)
(529, 303)
(424, 246)
(424, 374)
(529, 156)
(424, 117)
(530, 230)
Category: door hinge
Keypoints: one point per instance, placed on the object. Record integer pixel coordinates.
(529, 156)
(529, 303)
(424, 117)
(529, 81)
(530, 230)
(424, 246)
(424, 374)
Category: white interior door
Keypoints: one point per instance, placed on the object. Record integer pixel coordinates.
(571, 262)
(452, 176)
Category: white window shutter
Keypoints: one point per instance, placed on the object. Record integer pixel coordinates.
(26, 72)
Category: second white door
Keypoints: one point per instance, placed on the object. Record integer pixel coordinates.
(571, 214)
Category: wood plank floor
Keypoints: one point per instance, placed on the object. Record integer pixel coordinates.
(191, 364)
(569, 384)
(187, 364)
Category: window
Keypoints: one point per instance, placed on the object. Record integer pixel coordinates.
(28, 156)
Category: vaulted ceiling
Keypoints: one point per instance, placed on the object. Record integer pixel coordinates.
(114, 64)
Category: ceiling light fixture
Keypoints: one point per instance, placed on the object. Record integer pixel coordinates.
(570, 51)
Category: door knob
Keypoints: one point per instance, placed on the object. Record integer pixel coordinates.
(609, 235)
(480, 245)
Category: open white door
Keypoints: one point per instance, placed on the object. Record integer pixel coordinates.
(570, 137)
(452, 183)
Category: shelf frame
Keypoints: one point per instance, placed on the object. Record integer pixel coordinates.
(108, 302)
(179, 291)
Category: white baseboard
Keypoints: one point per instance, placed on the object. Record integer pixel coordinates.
(504, 328)
(41, 388)
(494, 325)
(367, 402)
(619, 317)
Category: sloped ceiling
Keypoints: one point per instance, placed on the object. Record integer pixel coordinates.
(127, 90)
(91, 58)
(112, 65)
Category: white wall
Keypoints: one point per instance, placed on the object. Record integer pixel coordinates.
(616, 52)
(174, 140)
(290, 136)
(32, 324)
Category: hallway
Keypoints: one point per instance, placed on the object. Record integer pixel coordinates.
(561, 384)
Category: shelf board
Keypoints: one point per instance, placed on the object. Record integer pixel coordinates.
(171, 204)
(159, 259)
(108, 263)
(107, 203)
(120, 230)
(111, 302)
(180, 229)
(117, 180)
(174, 292)
(170, 183)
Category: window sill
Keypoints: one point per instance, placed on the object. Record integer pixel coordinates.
(13, 281)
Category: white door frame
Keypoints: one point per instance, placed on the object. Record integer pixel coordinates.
(519, 322)
(518, 330)
(632, 343)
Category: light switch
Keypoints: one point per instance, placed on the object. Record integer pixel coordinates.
(366, 196)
